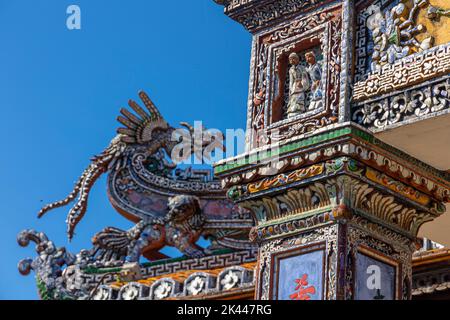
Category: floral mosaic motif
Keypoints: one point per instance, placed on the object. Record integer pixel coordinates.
(163, 290)
(196, 286)
(130, 293)
(230, 280)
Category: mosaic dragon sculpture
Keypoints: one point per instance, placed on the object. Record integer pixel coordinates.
(170, 206)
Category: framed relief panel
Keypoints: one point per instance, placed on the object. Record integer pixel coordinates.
(299, 274)
(296, 81)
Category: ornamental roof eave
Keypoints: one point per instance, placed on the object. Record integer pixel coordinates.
(427, 258)
(255, 15)
(431, 273)
(339, 140)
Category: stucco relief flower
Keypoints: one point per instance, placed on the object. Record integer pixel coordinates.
(366, 115)
(372, 85)
(400, 76)
(163, 290)
(420, 103)
(440, 98)
(196, 286)
(230, 280)
(130, 293)
(399, 108)
(429, 68)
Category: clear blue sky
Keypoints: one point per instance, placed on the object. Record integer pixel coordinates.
(61, 90)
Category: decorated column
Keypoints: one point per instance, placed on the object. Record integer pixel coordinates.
(337, 210)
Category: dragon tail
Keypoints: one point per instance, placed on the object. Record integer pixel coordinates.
(76, 214)
(71, 197)
(99, 165)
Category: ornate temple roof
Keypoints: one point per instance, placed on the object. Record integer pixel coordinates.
(233, 282)
(218, 276)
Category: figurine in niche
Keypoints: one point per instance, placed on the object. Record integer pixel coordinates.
(315, 74)
(299, 84)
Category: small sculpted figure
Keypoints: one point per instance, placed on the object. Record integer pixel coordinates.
(299, 84)
(315, 73)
